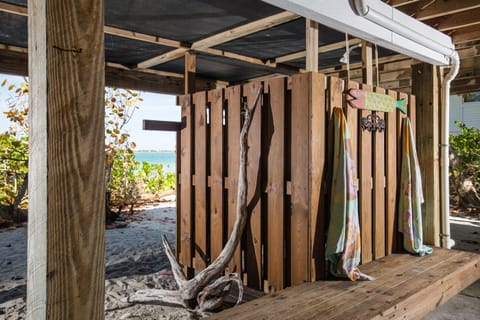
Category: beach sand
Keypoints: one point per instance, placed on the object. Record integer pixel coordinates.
(135, 259)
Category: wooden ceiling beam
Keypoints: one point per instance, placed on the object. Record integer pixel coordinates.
(14, 9)
(182, 48)
(222, 37)
(455, 21)
(15, 62)
(143, 37)
(428, 9)
(23, 11)
(467, 34)
(399, 3)
(321, 49)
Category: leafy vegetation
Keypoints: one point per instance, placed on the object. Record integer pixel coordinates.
(120, 165)
(154, 178)
(122, 173)
(465, 166)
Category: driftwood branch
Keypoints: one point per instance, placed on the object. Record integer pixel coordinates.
(208, 288)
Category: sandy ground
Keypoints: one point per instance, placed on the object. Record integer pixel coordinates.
(135, 259)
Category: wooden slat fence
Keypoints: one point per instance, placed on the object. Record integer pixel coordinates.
(290, 158)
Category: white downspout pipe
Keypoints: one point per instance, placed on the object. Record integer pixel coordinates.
(363, 9)
(446, 240)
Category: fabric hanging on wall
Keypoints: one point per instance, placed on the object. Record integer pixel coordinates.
(343, 240)
(411, 195)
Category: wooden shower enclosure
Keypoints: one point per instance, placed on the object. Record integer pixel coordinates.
(289, 177)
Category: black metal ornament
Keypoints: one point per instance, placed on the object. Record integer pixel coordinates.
(373, 123)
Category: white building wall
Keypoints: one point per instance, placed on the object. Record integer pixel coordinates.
(466, 112)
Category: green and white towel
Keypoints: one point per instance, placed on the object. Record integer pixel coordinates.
(343, 241)
(411, 195)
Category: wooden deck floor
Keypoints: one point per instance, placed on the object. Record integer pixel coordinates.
(406, 287)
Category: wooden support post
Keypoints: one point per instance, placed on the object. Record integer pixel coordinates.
(311, 45)
(66, 254)
(367, 64)
(190, 70)
(307, 235)
(425, 87)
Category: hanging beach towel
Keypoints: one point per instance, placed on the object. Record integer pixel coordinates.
(343, 240)
(411, 195)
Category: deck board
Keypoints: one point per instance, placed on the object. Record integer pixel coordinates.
(402, 280)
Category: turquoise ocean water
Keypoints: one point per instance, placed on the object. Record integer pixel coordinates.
(168, 159)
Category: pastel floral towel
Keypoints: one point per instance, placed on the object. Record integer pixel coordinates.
(343, 240)
(411, 195)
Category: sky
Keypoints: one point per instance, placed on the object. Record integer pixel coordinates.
(153, 107)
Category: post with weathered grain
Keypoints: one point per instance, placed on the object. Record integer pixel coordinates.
(66, 257)
(425, 87)
(311, 45)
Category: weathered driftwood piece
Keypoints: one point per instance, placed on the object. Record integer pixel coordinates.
(208, 288)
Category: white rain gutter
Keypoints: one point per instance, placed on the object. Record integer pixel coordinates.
(447, 241)
(408, 27)
(379, 23)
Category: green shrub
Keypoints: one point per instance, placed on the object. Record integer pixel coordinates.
(154, 178)
(13, 166)
(465, 165)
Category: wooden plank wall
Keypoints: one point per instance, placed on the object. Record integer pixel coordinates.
(290, 147)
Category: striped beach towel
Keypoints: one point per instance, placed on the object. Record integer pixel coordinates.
(343, 240)
(411, 195)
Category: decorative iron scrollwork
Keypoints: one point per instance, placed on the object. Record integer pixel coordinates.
(373, 123)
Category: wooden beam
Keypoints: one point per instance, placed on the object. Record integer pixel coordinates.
(455, 21)
(428, 9)
(367, 64)
(425, 87)
(311, 45)
(157, 125)
(245, 30)
(143, 37)
(466, 34)
(190, 69)
(66, 234)
(182, 47)
(14, 9)
(321, 49)
(399, 3)
(14, 61)
(223, 37)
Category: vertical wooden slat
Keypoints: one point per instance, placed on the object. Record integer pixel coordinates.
(215, 97)
(275, 185)
(411, 112)
(253, 250)
(311, 45)
(400, 116)
(178, 199)
(190, 72)
(379, 188)
(425, 86)
(365, 177)
(232, 94)
(66, 233)
(352, 121)
(335, 100)
(200, 110)
(299, 222)
(367, 65)
(186, 223)
(391, 177)
(317, 149)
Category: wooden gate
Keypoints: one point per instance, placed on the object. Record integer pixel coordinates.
(288, 172)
